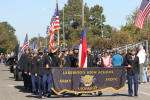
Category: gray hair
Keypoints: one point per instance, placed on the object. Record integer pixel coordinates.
(141, 46)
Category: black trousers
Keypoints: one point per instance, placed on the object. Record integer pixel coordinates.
(29, 82)
(24, 79)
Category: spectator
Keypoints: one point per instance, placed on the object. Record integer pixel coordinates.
(0, 58)
(4, 59)
(141, 56)
(128, 53)
(106, 60)
(117, 59)
(148, 74)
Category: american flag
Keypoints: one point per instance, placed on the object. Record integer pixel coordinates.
(142, 14)
(25, 44)
(54, 26)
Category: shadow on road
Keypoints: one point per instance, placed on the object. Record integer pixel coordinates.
(5, 70)
(21, 89)
(68, 95)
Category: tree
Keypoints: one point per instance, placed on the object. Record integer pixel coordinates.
(95, 15)
(38, 40)
(144, 36)
(73, 21)
(101, 44)
(8, 40)
(130, 27)
(120, 39)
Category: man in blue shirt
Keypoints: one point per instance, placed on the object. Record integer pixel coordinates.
(117, 59)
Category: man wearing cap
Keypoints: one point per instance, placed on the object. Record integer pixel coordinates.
(32, 71)
(117, 59)
(41, 65)
(132, 63)
(74, 57)
(24, 65)
(97, 62)
(48, 69)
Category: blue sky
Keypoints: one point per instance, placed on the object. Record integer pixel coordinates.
(27, 16)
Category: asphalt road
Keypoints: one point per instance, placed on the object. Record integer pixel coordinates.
(13, 90)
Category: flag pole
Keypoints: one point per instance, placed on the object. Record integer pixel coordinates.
(60, 49)
(57, 32)
(82, 15)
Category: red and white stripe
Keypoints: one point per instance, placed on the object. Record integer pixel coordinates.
(56, 26)
(24, 46)
(142, 16)
(51, 33)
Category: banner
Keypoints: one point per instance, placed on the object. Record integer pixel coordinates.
(87, 80)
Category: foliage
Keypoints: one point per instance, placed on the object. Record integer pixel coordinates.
(101, 44)
(73, 22)
(144, 36)
(38, 40)
(120, 39)
(130, 27)
(8, 40)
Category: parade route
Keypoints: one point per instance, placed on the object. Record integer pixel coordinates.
(14, 90)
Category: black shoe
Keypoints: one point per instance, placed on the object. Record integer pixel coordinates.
(135, 95)
(49, 95)
(25, 88)
(44, 95)
(34, 92)
(100, 94)
(39, 97)
(79, 94)
(130, 95)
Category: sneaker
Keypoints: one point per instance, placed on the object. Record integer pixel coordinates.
(93, 93)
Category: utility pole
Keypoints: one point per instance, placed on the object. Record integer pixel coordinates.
(101, 26)
(63, 30)
(39, 40)
(82, 15)
(47, 40)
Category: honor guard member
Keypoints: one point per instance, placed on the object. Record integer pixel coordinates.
(132, 63)
(66, 59)
(89, 57)
(49, 59)
(29, 83)
(56, 57)
(24, 65)
(32, 71)
(46, 51)
(74, 57)
(41, 71)
(97, 62)
(49, 77)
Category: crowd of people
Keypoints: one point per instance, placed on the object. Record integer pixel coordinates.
(36, 66)
(4, 58)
